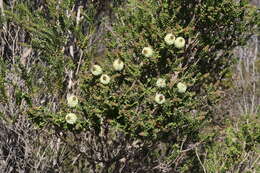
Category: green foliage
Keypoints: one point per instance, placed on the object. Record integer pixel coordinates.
(65, 52)
(235, 148)
(210, 31)
(50, 31)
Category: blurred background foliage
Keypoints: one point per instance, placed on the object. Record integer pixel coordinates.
(48, 46)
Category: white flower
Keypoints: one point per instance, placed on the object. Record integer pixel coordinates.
(118, 65)
(104, 79)
(72, 100)
(147, 51)
(179, 42)
(161, 83)
(159, 98)
(96, 70)
(181, 87)
(169, 39)
(71, 118)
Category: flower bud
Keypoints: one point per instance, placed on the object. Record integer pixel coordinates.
(72, 100)
(104, 79)
(118, 65)
(181, 87)
(71, 118)
(169, 39)
(159, 98)
(147, 51)
(179, 42)
(161, 83)
(96, 70)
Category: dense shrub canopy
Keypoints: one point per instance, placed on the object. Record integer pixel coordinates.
(210, 30)
(162, 66)
(128, 89)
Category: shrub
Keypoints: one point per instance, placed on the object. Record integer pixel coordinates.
(198, 61)
(235, 148)
(127, 100)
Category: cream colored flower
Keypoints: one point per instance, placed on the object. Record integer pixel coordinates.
(179, 42)
(118, 65)
(72, 100)
(169, 39)
(161, 83)
(147, 51)
(104, 79)
(181, 87)
(159, 98)
(71, 118)
(96, 70)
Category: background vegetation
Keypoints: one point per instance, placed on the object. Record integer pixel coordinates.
(48, 48)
